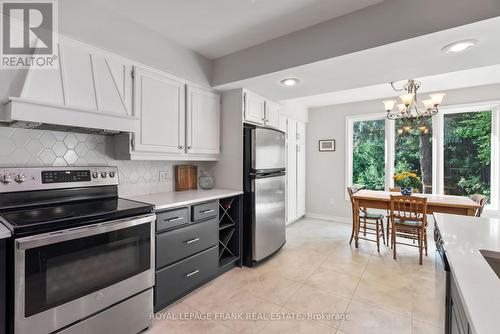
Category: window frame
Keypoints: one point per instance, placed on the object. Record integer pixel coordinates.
(350, 120)
(437, 147)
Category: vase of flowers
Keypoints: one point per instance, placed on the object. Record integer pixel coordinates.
(406, 181)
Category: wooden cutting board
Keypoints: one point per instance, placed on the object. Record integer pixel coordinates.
(186, 177)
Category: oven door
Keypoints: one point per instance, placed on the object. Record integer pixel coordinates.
(65, 276)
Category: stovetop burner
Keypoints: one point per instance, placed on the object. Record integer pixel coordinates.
(56, 198)
(63, 215)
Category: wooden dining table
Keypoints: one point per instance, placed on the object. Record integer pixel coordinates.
(374, 199)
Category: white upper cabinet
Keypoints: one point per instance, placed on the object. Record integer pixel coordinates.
(159, 101)
(272, 114)
(254, 109)
(283, 123)
(258, 110)
(203, 121)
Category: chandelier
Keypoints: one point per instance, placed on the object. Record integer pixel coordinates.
(409, 108)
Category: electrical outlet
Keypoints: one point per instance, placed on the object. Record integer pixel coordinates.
(163, 176)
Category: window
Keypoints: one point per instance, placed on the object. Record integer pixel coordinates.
(457, 152)
(413, 150)
(368, 162)
(467, 153)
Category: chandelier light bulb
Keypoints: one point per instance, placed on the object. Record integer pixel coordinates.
(437, 98)
(428, 104)
(389, 104)
(401, 107)
(407, 99)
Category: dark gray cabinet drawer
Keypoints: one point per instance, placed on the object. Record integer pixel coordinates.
(169, 219)
(174, 281)
(205, 211)
(180, 243)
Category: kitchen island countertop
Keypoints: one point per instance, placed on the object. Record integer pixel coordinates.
(478, 285)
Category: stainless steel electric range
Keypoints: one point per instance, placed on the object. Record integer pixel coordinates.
(81, 259)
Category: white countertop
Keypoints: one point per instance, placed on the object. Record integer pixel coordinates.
(477, 283)
(4, 232)
(173, 199)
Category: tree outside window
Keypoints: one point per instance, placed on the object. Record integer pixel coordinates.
(467, 153)
(413, 148)
(368, 154)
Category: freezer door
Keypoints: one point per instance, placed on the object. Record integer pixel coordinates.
(269, 227)
(268, 149)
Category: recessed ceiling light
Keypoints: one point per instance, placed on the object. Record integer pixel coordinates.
(289, 82)
(459, 46)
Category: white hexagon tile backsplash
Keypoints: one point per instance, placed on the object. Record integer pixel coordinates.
(31, 147)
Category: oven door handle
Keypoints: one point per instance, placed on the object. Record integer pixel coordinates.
(81, 232)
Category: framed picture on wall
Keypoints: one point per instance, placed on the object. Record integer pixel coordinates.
(327, 145)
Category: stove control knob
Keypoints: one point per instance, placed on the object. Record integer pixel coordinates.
(104, 174)
(95, 175)
(6, 178)
(112, 174)
(20, 178)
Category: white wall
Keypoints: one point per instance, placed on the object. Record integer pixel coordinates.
(325, 176)
(295, 110)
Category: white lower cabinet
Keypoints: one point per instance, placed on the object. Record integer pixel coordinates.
(295, 170)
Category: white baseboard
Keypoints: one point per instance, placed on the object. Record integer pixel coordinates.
(295, 220)
(337, 219)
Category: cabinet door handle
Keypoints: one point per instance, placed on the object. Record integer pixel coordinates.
(189, 147)
(207, 211)
(193, 273)
(192, 241)
(172, 219)
(181, 147)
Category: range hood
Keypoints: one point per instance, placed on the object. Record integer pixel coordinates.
(90, 91)
(31, 114)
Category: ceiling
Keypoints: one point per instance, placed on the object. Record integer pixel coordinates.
(215, 28)
(330, 81)
(480, 76)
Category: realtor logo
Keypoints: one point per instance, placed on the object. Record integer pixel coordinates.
(29, 34)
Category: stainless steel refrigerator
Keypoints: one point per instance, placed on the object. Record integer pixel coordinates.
(264, 199)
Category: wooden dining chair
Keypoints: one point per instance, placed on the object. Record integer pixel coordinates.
(369, 222)
(481, 200)
(388, 226)
(408, 217)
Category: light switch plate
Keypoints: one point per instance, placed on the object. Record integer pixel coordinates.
(163, 176)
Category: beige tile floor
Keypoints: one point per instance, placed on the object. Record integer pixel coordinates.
(317, 273)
